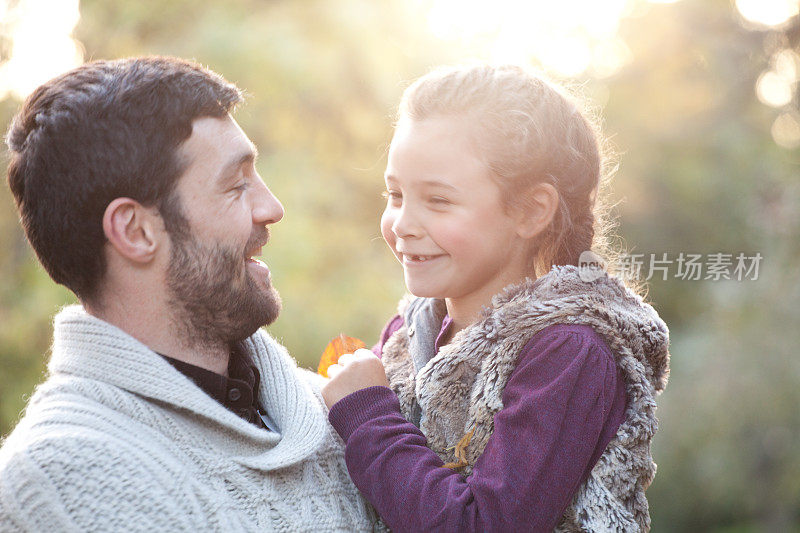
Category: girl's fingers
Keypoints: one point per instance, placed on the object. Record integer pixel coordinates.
(348, 358)
(333, 370)
(345, 359)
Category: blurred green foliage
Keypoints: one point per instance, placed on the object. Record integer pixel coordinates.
(699, 172)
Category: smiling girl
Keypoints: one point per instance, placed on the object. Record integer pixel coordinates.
(515, 389)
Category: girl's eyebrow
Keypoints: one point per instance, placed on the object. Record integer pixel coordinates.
(441, 184)
(427, 183)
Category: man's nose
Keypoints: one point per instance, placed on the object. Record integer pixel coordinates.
(267, 209)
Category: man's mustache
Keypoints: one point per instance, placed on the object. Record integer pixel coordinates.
(258, 239)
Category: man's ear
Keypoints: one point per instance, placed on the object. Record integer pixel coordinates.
(131, 229)
(536, 210)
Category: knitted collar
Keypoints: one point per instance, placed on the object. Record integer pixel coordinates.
(88, 347)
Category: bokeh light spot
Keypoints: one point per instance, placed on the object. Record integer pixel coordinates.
(786, 130)
(774, 90)
(41, 43)
(768, 12)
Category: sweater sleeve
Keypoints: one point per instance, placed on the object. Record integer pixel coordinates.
(79, 484)
(562, 405)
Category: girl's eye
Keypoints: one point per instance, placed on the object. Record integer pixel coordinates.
(438, 200)
(392, 196)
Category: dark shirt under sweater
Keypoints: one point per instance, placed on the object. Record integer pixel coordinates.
(238, 391)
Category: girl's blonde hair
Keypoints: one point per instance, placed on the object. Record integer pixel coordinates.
(529, 131)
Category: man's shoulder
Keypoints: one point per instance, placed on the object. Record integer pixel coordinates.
(72, 400)
(77, 418)
(63, 434)
(75, 462)
(66, 447)
(81, 478)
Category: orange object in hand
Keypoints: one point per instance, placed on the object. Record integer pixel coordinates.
(336, 348)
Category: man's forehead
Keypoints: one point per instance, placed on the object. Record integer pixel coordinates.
(215, 140)
(215, 146)
(219, 131)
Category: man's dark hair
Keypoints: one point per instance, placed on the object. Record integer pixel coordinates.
(105, 130)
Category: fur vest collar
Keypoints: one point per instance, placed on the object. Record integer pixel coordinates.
(460, 388)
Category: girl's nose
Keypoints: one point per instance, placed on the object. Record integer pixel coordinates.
(406, 225)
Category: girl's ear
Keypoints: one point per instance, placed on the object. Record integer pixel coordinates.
(536, 210)
(131, 229)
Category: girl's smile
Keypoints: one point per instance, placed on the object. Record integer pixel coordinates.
(411, 259)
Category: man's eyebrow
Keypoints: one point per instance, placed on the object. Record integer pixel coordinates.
(247, 156)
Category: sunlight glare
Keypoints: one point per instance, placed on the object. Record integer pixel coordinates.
(768, 12)
(564, 37)
(41, 44)
(608, 57)
(568, 55)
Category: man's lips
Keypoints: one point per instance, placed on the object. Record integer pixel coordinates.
(255, 249)
(259, 266)
(255, 261)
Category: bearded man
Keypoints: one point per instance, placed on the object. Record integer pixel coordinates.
(165, 407)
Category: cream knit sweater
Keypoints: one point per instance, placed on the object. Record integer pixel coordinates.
(116, 439)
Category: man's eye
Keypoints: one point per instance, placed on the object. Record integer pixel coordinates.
(241, 187)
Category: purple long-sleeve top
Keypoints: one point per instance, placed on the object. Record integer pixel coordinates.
(562, 405)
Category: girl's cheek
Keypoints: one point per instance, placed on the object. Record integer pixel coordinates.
(387, 220)
(458, 238)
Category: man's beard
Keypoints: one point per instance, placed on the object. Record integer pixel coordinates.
(212, 293)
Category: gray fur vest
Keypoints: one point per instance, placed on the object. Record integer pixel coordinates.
(460, 389)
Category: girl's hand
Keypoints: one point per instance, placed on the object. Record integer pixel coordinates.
(353, 371)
